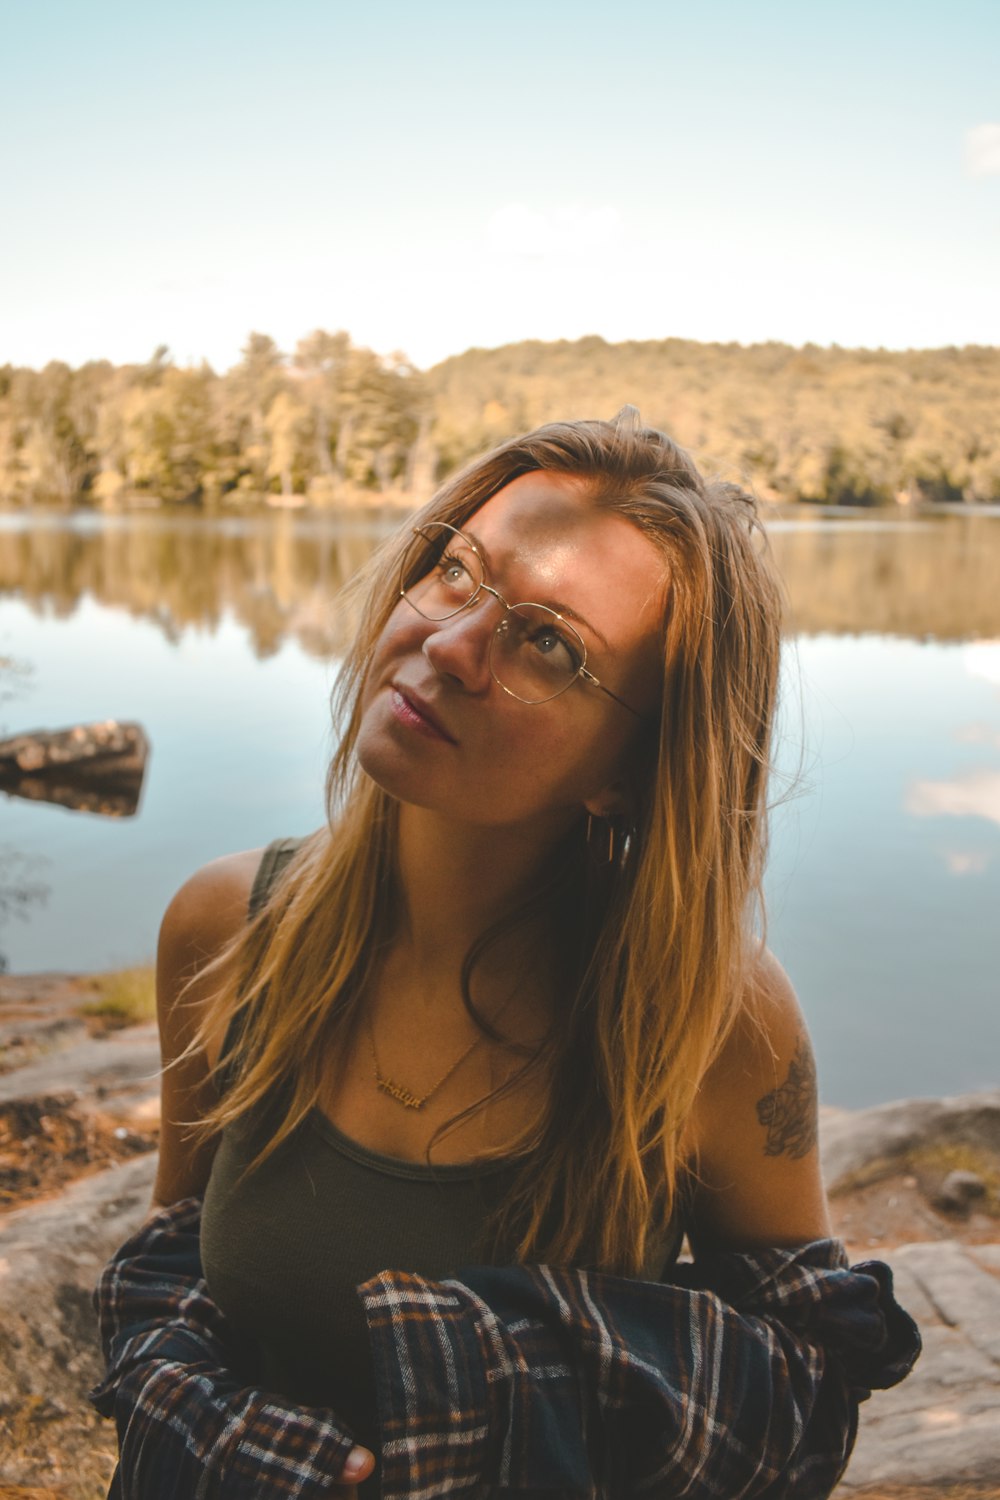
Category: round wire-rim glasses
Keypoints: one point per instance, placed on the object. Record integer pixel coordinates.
(439, 584)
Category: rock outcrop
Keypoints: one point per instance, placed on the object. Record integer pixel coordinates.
(939, 1428)
(860, 1146)
(51, 1254)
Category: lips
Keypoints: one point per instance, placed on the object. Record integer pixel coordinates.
(415, 711)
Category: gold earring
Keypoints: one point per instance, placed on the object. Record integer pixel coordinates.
(617, 851)
(605, 856)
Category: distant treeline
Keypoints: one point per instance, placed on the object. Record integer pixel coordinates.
(335, 424)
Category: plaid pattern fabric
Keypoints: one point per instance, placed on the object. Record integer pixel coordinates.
(741, 1378)
(579, 1384)
(188, 1427)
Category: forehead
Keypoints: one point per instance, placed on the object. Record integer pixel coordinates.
(552, 525)
(547, 539)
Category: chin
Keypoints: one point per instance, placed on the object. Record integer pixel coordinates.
(390, 769)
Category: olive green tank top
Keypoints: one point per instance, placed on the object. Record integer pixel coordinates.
(285, 1250)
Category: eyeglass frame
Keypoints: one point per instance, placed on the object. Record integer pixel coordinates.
(483, 587)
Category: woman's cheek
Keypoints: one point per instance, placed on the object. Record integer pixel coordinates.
(403, 635)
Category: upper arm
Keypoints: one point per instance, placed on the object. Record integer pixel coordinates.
(207, 911)
(754, 1129)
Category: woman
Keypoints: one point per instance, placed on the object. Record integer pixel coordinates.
(512, 1005)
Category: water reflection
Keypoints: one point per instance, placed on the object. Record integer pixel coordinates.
(974, 795)
(221, 638)
(934, 579)
(279, 575)
(974, 792)
(884, 879)
(20, 888)
(101, 802)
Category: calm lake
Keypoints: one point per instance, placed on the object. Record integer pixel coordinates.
(218, 636)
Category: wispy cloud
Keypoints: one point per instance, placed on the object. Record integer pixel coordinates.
(974, 795)
(576, 230)
(978, 734)
(982, 150)
(966, 861)
(982, 659)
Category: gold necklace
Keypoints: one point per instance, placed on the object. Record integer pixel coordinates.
(398, 1091)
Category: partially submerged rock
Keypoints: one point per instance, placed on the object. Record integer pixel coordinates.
(96, 768)
(91, 752)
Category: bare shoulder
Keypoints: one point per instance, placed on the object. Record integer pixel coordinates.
(211, 904)
(755, 1126)
(203, 917)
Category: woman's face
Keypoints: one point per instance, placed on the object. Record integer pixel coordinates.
(437, 731)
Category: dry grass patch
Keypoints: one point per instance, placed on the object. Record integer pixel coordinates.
(928, 1166)
(124, 997)
(49, 1141)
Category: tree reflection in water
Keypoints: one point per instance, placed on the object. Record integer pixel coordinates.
(19, 887)
(933, 577)
(277, 576)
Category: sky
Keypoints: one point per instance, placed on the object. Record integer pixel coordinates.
(435, 174)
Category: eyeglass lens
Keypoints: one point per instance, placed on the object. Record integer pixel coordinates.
(534, 653)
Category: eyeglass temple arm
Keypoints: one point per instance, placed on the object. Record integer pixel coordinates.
(596, 682)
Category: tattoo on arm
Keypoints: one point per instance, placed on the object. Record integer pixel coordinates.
(789, 1111)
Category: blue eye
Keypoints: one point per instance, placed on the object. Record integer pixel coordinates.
(452, 572)
(558, 651)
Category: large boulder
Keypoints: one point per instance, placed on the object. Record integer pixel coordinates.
(51, 1254)
(858, 1147)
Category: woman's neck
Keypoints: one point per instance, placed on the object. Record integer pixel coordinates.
(456, 881)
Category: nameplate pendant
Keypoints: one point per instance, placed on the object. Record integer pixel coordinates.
(400, 1094)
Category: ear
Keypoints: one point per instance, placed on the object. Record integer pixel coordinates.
(613, 801)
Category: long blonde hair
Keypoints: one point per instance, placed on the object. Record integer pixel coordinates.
(662, 966)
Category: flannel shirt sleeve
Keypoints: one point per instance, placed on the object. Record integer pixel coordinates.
(741, 1378)
(188, 1427)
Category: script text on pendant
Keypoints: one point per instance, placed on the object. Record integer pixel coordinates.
(398, 1092)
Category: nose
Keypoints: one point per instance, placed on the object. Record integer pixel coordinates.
(459, 648)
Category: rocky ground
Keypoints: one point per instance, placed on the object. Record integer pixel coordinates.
(915, 1183)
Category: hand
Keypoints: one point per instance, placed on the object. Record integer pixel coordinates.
(357, 1467)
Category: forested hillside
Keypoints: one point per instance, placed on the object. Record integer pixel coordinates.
(332, 423)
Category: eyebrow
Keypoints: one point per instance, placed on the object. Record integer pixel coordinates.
(561, 609)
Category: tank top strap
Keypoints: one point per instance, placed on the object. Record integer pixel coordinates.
(272, 864)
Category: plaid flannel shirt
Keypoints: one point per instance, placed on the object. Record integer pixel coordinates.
(739, 1378)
